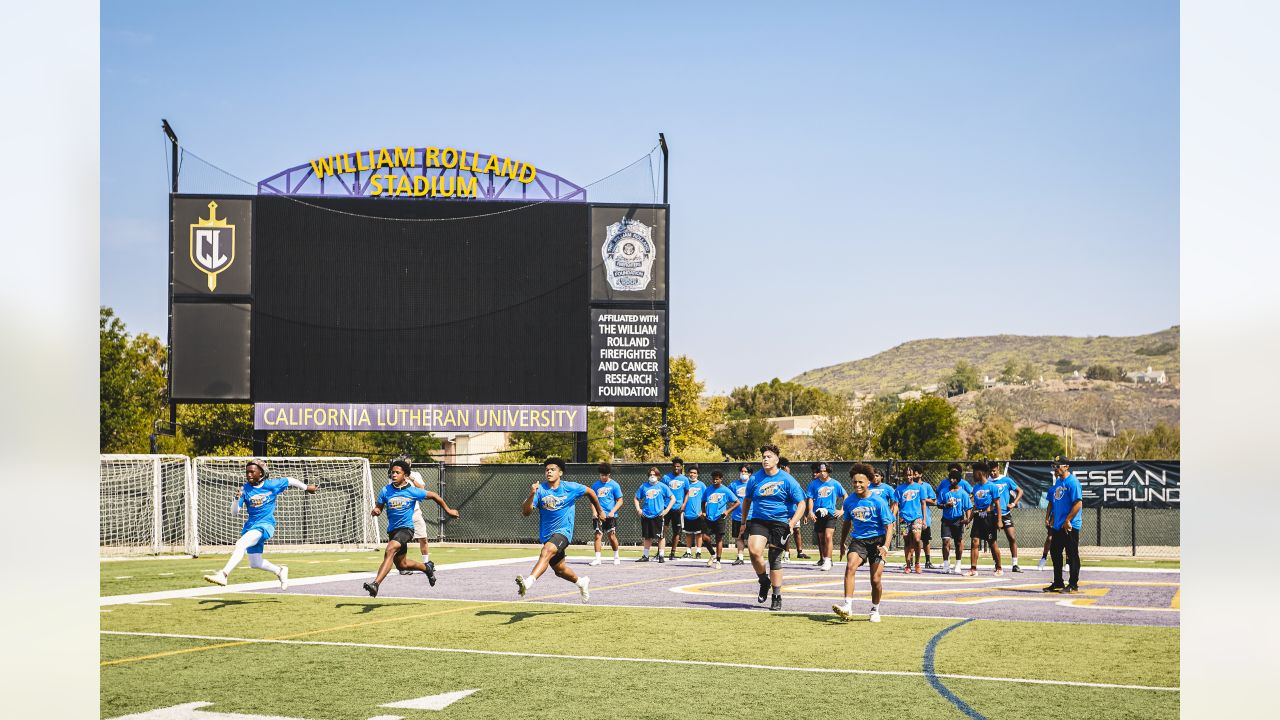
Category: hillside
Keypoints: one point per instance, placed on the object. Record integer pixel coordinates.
(922, 362)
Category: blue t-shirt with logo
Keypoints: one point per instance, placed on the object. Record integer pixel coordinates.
(610, 494)
(260, 501)
(739, 489)
(909, 497)
(679, 485)
(1064, 494)
(694, 491)
(400, 503)
(870, 516)
(771, 495)
(1009, 488)
(826, 495)
(884, 492)
(985, 495)
(945, 486)
(960, 500)
(653, 497)
(718, 498)
(555, 508)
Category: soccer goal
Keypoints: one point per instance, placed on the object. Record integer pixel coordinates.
(334, 518)
(145, 505)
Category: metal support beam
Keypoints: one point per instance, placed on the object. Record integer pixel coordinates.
(580, 447)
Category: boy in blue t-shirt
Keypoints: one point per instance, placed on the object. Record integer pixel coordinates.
(399, 498)
(678, 482)
(1010, 496)
(913, 512)
(692, 511)
(258, 497)
(658, 501)
(870, 520)
(986, 518)
(956, 505)
(719, 503)
(769, 526)
(554, 500)
(739, 489)
(609, 492)
(825, 498)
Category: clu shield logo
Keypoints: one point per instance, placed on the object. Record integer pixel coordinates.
(628, 254)
(213, 245)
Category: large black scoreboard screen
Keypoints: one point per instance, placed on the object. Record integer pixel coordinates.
(363, 300)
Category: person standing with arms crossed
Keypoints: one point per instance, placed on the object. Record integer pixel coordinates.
(692, 512)
(658, 501)
(719, 503)
(739, 489)
(825, 499)
(768, 528)
(678, 483)
(1063, 518)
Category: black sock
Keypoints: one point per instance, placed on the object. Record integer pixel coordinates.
(764, 578)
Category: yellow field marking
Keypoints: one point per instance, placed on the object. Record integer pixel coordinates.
(628, 584)
(1176, 602)
(298, 634)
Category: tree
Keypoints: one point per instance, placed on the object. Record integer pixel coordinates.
(692, 424)
(1161, 443)
(963, 378)
(538, 446)
(994, 439)
(850, 433)
(1032, 445)
(1009, 373)
(779, 399)
(1103, 372)
(924, 429)
(131, 386)
(742, 439)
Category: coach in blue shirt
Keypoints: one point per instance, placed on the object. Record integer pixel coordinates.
(1062, 517)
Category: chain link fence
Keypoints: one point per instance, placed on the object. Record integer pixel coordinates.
(489, 497)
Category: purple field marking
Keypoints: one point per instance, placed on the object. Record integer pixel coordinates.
(1129, 598)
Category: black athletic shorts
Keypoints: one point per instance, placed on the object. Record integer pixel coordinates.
(651, 527)
(824, 523)
(778, 533)
(404, 536)
(926, 535)
(737, 527)
(675, 519)
(1008, 519)
(713, 529)
(610, 524)
(561, 542)
(868, 549)
(953, 529)
(984, 526)
(692, 525)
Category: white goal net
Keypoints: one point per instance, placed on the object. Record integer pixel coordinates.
(145, 505)
(335, 517)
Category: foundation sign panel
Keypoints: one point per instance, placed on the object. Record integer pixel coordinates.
(628, 357)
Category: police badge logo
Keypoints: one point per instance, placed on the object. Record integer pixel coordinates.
(213, 245)
(628, 253)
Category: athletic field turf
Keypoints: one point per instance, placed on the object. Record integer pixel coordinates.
(677, 640)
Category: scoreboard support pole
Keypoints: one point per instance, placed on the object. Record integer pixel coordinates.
(580, 447)
(260, 443)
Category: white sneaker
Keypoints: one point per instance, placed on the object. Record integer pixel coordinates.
(520, 586)
(998, 572)
(284, 577)
(711, 562)
(218, 578)
(616, 561)
(946, 569)
(845, 613)
(716, 565)
(583, 588)
(594, 562)
(786, 557)
(826, 564)
(875, 616)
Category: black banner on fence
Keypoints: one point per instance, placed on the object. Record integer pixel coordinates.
(1123, 483)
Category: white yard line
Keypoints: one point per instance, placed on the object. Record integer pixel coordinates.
(661, 661)
(293, 582)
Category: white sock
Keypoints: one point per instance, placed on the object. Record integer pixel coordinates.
(426, 557)
(646, 552)
(739, 555)
(529, 580)
(615, 553)
(579, 581)
(1015, 559)
(597, 556)
(848, 602)
(875, 607)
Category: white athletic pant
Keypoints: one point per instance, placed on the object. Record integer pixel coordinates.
(256, 560)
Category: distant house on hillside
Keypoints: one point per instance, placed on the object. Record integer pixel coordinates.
(910, 395)
(796, 425)
(987, 382)
(1156, 377)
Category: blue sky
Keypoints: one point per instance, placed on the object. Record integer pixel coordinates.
(845, 177)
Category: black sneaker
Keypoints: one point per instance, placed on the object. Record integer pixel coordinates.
(660, 559)
(777, 603)
(764, 591)
(1071, 590)
(1017, 569)
(800, 556)
(406, 572)
(645, 558)
(1053, 589)
(685, 556)
(371, 588)
(739, 561)
(431, 573)
(930, 566)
